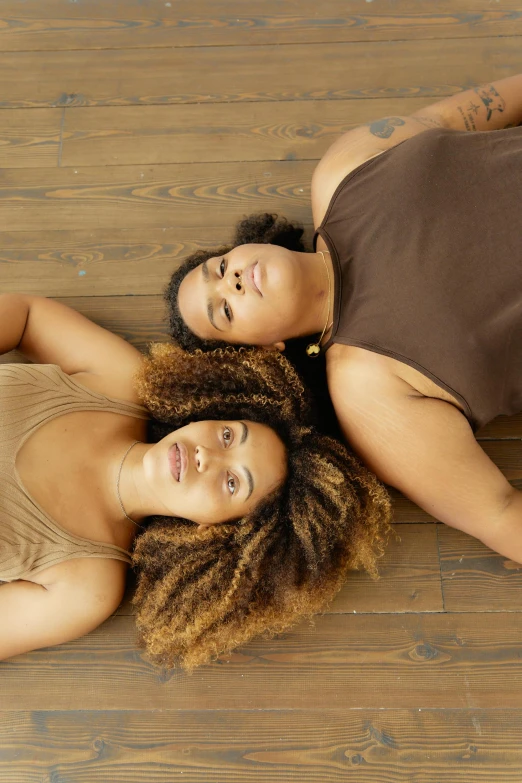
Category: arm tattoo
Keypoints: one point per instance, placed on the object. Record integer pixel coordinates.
(467, 115)
(385, 127)
(491, 99)
(429, 122)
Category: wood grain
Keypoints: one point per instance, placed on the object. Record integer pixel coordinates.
(290, 746)
(133, 132)
(286, 130)
(257, 25)
(427, 660)
(190, 195)
(335, 71)
(99, 262)
(153, 9)
(30, 139)
(409, 578)
(409, 575)
(139, 320)
(502, 427)
(474, 578)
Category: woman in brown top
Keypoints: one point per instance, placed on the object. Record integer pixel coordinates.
(415, 291)
(78, 479)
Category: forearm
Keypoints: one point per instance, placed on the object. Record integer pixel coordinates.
(14, 311)
(491, 106)
(505, 534)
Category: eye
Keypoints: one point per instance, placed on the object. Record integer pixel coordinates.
(222, 267)
(231, 484)
(228, 435)
(227, 311)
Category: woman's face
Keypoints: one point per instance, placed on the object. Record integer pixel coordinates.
(215, 471)
(251, 295)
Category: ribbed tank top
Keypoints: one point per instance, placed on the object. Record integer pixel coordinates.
(426, 244)
(30, 396)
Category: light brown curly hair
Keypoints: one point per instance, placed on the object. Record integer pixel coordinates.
(202, 593)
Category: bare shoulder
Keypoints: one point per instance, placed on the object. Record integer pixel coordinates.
(56, 334)
(118, 384)
(357, 374)
(374, 404)
(358, 146)
(78, 596)
(98, 582)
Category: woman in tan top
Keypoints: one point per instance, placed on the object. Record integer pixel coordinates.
(414, 291)
(79, 481)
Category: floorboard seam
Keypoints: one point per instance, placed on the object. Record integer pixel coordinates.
(440, 569)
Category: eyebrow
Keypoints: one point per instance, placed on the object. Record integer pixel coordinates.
(244, 435)
(210, 306)
(250, 482)
(210, 313)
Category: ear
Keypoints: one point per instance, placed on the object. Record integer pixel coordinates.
(203, 527)
(280, 346)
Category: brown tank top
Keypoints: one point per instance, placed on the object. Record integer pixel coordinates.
(426, 244)
(30, 396)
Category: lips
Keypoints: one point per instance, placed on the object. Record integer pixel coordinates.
(254, 278)
(178, 461)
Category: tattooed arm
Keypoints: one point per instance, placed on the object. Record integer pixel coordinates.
(488, 107)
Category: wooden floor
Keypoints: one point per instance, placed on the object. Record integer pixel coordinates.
(132, 132)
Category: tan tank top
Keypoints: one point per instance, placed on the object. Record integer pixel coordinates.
(30, 396)
(426, 244)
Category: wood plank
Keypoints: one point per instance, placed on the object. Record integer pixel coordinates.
(138, 319)
(240, 73)
(502, 427)
(99, 261)
(286, 130)
(366, 661)
(153, 9)
(92, 28)
(507, 455)
(407, 512)
(475, 579)
(191, 195)
(290, 746)
(409, 578)
(30, 138)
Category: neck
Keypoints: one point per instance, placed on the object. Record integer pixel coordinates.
(317, 285)
(137, 497)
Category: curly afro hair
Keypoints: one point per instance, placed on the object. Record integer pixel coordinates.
(202, 593)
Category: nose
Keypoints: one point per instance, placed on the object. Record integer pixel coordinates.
(206, 459)
(200, 457)
(232, 283)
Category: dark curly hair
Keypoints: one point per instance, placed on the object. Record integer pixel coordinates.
(263, 228)
(202, 593)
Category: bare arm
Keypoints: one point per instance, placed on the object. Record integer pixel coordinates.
(32, 616)
(48, 332)
(426, 448)
(488, 107)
